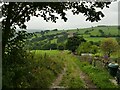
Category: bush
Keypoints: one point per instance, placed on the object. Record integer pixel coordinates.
(60, 47)
(32, 71)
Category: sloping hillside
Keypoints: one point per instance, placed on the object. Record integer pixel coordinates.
(52, 39)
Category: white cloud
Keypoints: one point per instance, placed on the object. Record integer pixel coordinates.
(76, 21)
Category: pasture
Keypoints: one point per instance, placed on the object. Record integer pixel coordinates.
(96, 39)
(43, 39)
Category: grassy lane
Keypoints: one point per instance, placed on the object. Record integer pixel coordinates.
(49, 65)
(71, 78)
(74, 77)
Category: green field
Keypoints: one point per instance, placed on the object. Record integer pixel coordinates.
(59, 37)
(96, 39)
(44, 42)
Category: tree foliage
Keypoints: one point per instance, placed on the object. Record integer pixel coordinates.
(73, 43)
(109, 46)
(84, 48)
(87, 47)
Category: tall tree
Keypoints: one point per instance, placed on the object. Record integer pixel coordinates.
(109, 46)
(73, 43)
(84, 47)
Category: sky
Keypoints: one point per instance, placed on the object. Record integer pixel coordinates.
(76, 21)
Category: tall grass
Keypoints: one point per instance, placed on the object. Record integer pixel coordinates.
(100, 77)
(71, 79)
(46, 65)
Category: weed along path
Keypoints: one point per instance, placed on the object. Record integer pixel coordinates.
(56, 83)
(88, 83)
(72, 76)
(85, 78)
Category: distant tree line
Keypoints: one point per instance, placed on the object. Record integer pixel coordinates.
(43, 42)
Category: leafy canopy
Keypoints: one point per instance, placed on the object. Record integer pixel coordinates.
(73, 43)
(87, 47)
(109, 46)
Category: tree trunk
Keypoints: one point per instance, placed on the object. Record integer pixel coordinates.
(6, 30)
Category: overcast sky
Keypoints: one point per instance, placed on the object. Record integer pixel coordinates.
(76, 21)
